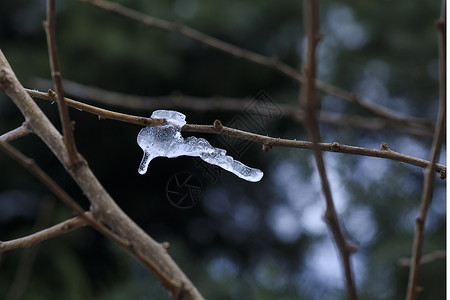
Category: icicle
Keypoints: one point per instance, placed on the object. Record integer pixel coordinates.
(166, 141)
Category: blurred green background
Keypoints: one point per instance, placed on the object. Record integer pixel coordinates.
(243, 240)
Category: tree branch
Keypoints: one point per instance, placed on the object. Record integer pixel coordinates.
(427, 192)
(385, 152)
(177, 100)
(34, 169)
(269, 62)
(150, 253)
(425, 259)
(308, 100)
(45, 234)
(49, 25)
(201, 37)
(102, 114)
(27, 260)
(15, 134)
(371, 106)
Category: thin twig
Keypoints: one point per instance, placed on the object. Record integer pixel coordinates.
(31, 166)
(45, 234)
(385, 152)
(15, 134)
(49, 25)
(34, 169)
(371, 106)
(262, 139)
(427, 193)
(100, 112)
(198, 36)
(177, 100)
(308, 99)
(28, 257)
(269, 62)
(425, 259)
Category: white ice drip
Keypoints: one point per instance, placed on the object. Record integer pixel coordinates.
(166, 141)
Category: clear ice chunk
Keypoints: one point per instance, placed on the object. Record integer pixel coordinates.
(166, 141)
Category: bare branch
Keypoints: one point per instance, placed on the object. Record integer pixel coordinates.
(385, 152)
(177, 100)
(33, 168)
(425, 259)
(330, 147)
(15, 134)
(100, 112)
(269, 62)
(49, 25)
(371, 106)
(310, 12)
(150, 253)
(427, 192)
(28, 257)
(198, 36)
(45, 234)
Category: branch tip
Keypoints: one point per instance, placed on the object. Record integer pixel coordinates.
(266, 147)
(218, 125)
(51, 93)
(5, 79)
(384, 146)
(327, 216)
(335, 146)
(351, 248)
(419, 222)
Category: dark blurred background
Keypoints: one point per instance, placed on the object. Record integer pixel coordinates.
(242, 240)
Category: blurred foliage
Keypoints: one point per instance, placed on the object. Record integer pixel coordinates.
(243, 240)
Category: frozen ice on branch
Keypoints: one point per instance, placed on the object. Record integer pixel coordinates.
(166, 141)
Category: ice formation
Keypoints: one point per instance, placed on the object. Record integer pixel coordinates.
(166, 141)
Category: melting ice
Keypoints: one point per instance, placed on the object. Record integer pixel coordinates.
(166, 141)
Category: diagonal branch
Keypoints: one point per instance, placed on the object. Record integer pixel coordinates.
(150, 253)
(33, 168)
(428, 183)
(269, 62)
(198, 36)
(49, 25)
(309, 102)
